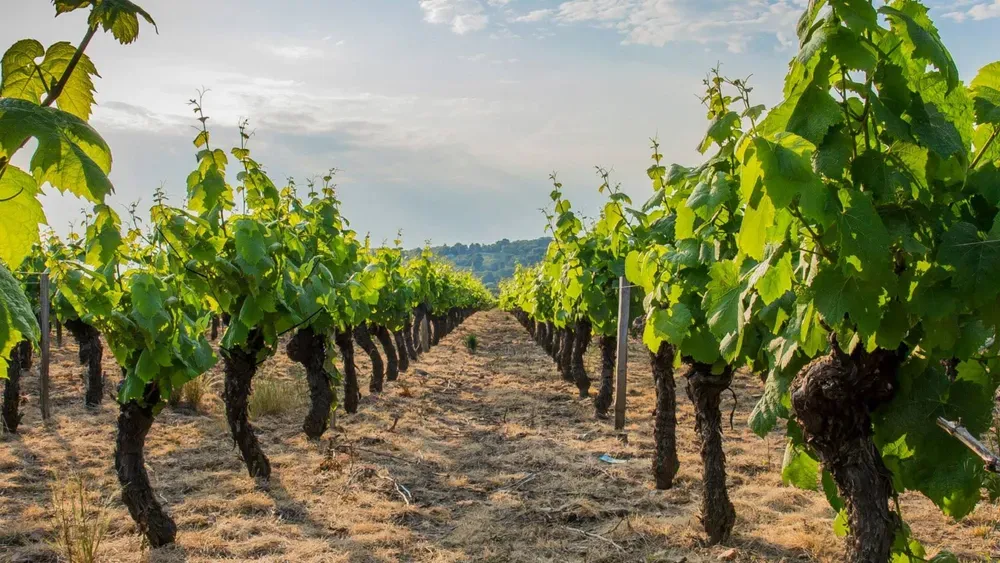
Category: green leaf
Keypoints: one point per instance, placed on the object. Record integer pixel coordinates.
(986, 94)
(17, 320)
(121, 18)
(251, 248)
(720, 130)
(936, 131)
(799, 468)
(77, 96)
(753, 231)
(710, 193)
(864, 238)
(774, 403)
(26, 79)
(670, 325)
(723, 305)
(974, 262)
(837, 296)
(787, 168)
(776, 281)
(104, 238)
(22, 214)
(923, 457)
(70, 155)
(926, 42)
(20, 72)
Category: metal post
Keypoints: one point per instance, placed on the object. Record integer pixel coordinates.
(43, 367)
(621, 367)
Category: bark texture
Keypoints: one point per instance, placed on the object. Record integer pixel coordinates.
(91, 353)
(566, 355)
(308, 348)
(832, 399)
(581, 341)
(20, 361)
(363, 337)
(705, 390)
(240, 367)
(352, 391)
(391, 359)
(134, 422)
(411, 351)
(404, 357)
(606, 392)
(665, 462)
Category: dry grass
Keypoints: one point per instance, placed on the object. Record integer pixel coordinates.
(276, 396)
(80, 520)
(485, 457)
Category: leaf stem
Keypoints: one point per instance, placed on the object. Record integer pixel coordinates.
(982, 151)
(58, 88)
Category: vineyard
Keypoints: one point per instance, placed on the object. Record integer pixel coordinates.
(788, 351)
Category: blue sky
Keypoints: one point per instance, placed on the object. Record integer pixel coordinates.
(445, 116)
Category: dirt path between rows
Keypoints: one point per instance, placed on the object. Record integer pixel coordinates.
(468, 457)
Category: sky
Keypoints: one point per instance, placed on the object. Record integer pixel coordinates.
(444, 117)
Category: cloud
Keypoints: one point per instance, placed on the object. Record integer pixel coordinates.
(534, 16)
(463, 16)
(985, 11)
(291, 51)
(658, 22)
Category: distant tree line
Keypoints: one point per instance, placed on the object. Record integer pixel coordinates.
(493, 262)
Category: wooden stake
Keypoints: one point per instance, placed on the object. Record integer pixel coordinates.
(43, 367)
(621, 369)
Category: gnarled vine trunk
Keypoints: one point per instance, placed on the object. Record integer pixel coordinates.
(832, 399)
(308, 348)
(705, 390)
(411, 351)
(391, 359)
(134, 422)
(364, 339)
(606, 393)
(20, 361)
(436, 328)
(404, 358)
(556, 344)
(240, 367)
(566, 355)
(580, 342)
(215, 328)
(550, 342)
(352, 391)
(665, 462)
(418, 320)
(91, 353)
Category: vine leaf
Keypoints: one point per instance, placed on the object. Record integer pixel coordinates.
(670, 325)
(986, 94)
(926, 42)
(976, 261)
(723, 304)
(837, 296)
(864, 239)
(17, 320)
(22, 214)
(71, 156)
(21, 79)
(27, 79)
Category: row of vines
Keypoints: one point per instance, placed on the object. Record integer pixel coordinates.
(262, 260)
(841, 245)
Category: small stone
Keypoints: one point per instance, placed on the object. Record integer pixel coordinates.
(728, 555)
